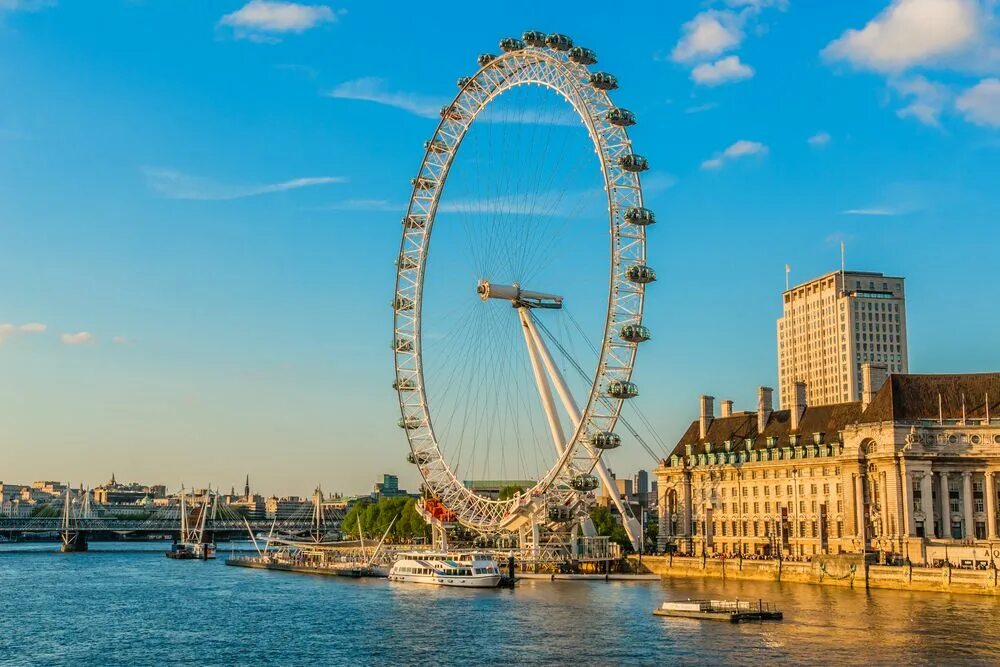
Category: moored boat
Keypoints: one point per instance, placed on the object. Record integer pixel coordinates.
(466, 570)
(733, 611)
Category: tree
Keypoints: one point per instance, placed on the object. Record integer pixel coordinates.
(508, 492)
(608, 526)
(375, 519)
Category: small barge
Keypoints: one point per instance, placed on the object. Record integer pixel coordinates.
(733, 611)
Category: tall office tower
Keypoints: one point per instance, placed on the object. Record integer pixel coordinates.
(833, 324)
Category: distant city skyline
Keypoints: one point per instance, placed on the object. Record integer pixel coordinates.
(198, 240)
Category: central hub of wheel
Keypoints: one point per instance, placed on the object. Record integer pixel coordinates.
(519, 298)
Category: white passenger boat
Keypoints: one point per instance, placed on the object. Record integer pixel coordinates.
(468, 570)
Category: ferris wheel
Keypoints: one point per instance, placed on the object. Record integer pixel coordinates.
(504, 388)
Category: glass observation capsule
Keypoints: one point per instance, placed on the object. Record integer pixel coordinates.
(406, 384)
(402, 303)
(485, 59)
(435, 146)
(414, 221)
(511, 44)
(640, 273)
(638, 215)
(633, 163)
(534, 38)
(622, 389)
(418, 458)
(620, 117)
(584, 483)
(451, 113)
(402, 345)
(582, 56)
(603, 81)
(422, 183)
(409, 423)
(634, 333)
(606, 440)
(558, 42)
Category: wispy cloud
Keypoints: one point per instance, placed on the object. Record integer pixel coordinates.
(701, 108)
(173, 184)
(77, 338)
(819, 139)
(120, 340)
(740, 149)
(875, 210)
(925, 100)
(25, 5)
(981, 103)
(373, 89)
(264, 20)
(721, 71)
(10, 330)
(363, 205)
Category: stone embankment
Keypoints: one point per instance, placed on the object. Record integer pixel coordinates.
(845, 570)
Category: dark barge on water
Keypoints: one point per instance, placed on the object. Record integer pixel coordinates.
(733, 611)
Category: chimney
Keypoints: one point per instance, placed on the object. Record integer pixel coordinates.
(727, 409)
(873, 376)
(706, 416)
(764, 406)
(798, 407)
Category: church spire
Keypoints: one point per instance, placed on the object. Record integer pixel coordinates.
(246, 488)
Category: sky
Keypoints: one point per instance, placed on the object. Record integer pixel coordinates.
(200, 204)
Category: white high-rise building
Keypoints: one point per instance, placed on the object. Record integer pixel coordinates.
(833, 324)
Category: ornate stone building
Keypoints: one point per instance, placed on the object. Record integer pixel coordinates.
(909, 471)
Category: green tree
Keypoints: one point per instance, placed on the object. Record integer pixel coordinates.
(376, 517)
(510, 491)
(608, 526)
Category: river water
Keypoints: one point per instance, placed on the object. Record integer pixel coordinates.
(127, 604)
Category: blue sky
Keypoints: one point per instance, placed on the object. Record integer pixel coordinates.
(200, 203)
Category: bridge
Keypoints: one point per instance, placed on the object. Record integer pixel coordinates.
(76, 519)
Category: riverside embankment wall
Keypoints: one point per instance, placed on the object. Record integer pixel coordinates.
(846, 571)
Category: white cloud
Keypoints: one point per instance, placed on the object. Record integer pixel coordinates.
(707, 35)
(120, 340)
(875, 210)
(364, 205)
(925, 100)
(173, 184)
(373, 89)
(912, 32)
(740, 149)
(721, 71)
(819, 139)
(981, 103)
(261, 20)
(699, 108)
(78, 338)
(10, 330)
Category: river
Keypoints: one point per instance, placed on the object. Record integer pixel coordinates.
(127, 604)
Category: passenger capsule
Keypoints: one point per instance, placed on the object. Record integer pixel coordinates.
(620, 117)
(638, 215)
(603, 81)
(606, 440)
(584, 483)
(406, 262)
(634, 333)
(414, 221)
(410, 423)
(582, 56)
(402, 303)
(404, 384)
(511, 44)
(622, 389)
(419, 458)
(485, 59)
(402, 345)
(558, 42)
(534, 38)
(633, 163)
(640, 273)
(435, 146)
(422, 183)
(451, 113)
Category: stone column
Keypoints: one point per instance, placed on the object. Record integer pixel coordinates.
(859, 509)
(968, 522)
(991, 505)
(908, 525)
(945, 507)
(927, 502)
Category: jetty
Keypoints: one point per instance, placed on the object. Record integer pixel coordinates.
(733, 611)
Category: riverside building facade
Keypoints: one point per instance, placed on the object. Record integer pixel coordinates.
(832, 325)
(910, 471)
